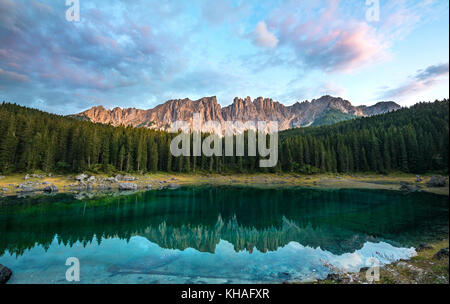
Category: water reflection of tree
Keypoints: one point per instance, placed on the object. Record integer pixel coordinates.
(339, 221)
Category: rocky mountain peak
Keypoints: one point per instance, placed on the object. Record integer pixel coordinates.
(244, 109)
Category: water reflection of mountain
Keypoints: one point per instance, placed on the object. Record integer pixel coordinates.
(338, 221)
(245, 238)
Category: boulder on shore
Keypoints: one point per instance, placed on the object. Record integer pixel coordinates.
(441, 254)
(423, 247)
(126, 178)
(437, 181)
(81, 177)
(5, 274)
(50, 188)
(127, 186)
(26, 188)
(110, 179)
(410, 188)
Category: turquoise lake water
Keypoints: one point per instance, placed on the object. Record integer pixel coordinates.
(214, 234)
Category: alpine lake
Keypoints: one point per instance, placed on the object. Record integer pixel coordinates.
(214, 234)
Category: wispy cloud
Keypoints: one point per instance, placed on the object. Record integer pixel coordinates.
(423, 80)
(8, 76)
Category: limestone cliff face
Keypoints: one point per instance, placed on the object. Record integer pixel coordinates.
(244, 109)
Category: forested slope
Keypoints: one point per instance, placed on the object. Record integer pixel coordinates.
(410, 140)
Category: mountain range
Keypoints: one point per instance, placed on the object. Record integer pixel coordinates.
(322, 111)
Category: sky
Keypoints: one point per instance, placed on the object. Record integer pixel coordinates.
(142, 53)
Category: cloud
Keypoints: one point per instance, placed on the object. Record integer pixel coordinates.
(423, 80)
(263, 37)
(322, 36)
(140, 53)
(335, 49)
(432, 72)
(333, 36)
(112, 48)
(12, 77)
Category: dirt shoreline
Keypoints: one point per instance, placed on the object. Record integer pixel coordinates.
(9, 185)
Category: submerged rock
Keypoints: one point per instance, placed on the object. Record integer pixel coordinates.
(127, 186)
(5, 274)
(83, 195)
(173, 186)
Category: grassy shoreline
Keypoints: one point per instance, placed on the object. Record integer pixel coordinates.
(67, 183)
(424, 268)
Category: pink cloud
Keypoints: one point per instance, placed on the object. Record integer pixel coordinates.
(11, 76)
(334, 36)
(334, 49)
(263, 37)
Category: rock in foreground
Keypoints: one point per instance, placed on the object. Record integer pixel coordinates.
(5, 274)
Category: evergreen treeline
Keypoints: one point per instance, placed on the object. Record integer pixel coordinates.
(409, 140)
